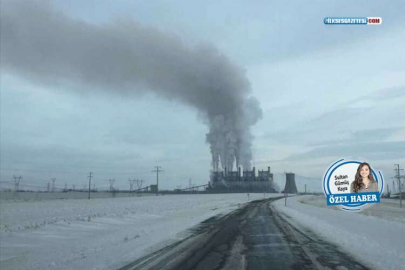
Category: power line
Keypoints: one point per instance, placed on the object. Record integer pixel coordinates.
(23, 186)
(29, 184)
(34, 184)
(44, 182)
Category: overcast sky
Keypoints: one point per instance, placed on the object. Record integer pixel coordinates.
(326, 92)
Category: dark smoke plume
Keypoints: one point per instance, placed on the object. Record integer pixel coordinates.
(47, 46)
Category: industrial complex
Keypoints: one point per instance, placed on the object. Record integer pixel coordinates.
(249, 181)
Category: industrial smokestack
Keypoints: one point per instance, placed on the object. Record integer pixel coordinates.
(290, 186)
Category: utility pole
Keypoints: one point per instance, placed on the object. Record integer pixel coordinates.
(398, 176)
(49, 187)
(157, 170)
(305, 189)
(90, 176)
(388, 191)
(53, 184)
(111, 184)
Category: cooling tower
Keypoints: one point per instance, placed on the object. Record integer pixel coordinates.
(290, 186)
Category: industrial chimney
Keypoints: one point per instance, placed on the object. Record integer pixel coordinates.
(290, 186)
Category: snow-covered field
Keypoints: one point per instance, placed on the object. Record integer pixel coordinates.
(375, 236)
(109, 233)
(36, 196)
(388, 209)
(101, 233)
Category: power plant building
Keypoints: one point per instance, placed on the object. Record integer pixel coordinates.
(235, 181)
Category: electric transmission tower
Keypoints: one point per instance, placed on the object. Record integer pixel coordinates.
(111, 184)
(17, 180)
(139, 183)
(131, 184)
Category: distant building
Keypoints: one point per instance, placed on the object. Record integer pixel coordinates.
(153, 188)
(235, 181)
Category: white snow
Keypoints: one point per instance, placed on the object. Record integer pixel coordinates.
(111, 232)
(375, 236)
(101, 233)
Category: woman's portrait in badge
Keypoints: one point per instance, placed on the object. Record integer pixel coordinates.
(364, 180)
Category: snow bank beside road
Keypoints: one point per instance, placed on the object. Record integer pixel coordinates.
(388, 209)
(377, 242)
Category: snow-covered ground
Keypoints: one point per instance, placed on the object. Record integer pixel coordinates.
(109, 233)
(37, 196)
(375, 236)
(388, 209)
(101, 233)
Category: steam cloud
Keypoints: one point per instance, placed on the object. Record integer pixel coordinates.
(46, 46)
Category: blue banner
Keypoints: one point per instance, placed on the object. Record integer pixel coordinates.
(353, 198)
(345, 20)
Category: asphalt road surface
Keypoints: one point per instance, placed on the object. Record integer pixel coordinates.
(253, 237)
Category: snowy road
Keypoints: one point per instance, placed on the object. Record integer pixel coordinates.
(252, 237)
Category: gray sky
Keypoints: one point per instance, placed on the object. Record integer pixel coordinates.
(325, 92)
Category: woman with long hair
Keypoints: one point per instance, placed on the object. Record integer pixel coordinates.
(364, 180)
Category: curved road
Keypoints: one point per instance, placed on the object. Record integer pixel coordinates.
(254, 237)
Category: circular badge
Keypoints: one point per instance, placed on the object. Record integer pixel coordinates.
(352, 185)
